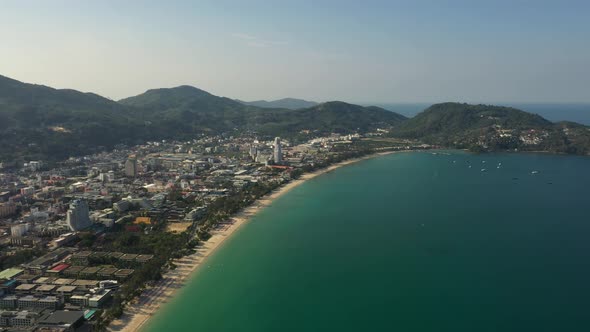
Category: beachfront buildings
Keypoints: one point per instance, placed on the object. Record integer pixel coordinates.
(175, 192)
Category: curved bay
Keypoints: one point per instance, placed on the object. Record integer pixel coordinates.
(406, 242)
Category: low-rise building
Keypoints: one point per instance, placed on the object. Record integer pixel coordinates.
(89, 272)
(64, 320)
(73, 271)
(65, 291)
(45, 289)
(107, 272)
(41, 264)
(81, 258)
(143, 258)
(25, 289)
(8, 302)
(27, 302)
(123, 274)
(88, 284)
(97, 300)
(58, 269)
(80, 300)
(18, 319)
(10, 273)
(50, 302)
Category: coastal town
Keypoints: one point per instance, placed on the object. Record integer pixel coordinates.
(96, 240)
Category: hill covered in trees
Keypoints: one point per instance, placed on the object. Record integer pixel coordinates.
(187, 110)
(288, 103)
(39, 122)
(487, 127)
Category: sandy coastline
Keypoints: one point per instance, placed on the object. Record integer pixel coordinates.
(137, 313)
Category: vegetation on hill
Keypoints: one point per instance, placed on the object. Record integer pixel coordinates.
(492, 128)
(178, 99)
(338, 117)
(185, 111)
(39, 122)
(288, 103)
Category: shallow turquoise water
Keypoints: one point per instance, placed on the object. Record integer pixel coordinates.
(407, 242)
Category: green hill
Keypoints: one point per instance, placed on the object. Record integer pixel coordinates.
(486, 127)
(288, 103)
(187, 110)
(42, 104)
(180, 98)
(39, 122)
(184, 111)
(336, 116)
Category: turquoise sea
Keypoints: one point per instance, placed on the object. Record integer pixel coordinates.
(407, 242)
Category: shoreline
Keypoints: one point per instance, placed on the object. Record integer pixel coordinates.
(138, 313)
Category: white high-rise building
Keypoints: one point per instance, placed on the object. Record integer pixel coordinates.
(77, 216)
(278, 153)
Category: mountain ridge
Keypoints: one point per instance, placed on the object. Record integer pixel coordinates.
(38, 122)
(288, 103)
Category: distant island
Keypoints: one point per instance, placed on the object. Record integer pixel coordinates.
(42, 123)
(288, 103)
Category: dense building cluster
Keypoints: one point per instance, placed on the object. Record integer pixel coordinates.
(58, 222)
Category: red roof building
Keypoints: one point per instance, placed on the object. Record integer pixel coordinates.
(58, 268)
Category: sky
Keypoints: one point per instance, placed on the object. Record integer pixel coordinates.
(355, 51)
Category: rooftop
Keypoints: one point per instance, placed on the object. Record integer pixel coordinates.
(61, 317)
(46, 288)
(10, 273)
(63, 281)
(25, 287)
(124, 272)
(82, 282)
(66, 289)
(82, 254)
(144, 258)
(59, 268)
(42, 280)
(129, 257)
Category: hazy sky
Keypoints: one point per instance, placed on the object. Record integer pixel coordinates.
(356, 51)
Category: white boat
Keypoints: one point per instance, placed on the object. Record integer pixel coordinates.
(483, 169)
(534, 172)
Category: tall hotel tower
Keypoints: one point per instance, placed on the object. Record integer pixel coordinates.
(278, 153)
(77, 216)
